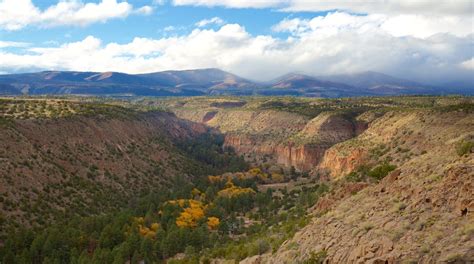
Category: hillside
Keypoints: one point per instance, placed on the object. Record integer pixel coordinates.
(63, 158)
(420, 212)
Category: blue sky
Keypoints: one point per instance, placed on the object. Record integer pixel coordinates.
(182, 18)
(261, 40)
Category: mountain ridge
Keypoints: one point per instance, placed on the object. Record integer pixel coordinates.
(213, 81)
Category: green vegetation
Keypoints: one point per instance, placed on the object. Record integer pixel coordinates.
(61, 108)
(316, 257)
(198, 198)
(90, 178)
(312, 109)
(221, 216)
(376, 173)
(208, 149)
(465, 147)
(380, 171)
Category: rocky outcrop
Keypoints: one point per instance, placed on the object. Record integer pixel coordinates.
(302, 148)
(340, 163)
(303, 157)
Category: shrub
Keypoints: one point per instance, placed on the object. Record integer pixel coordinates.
(316, 258)
(465, 147)
(381, 171)
(263, 246)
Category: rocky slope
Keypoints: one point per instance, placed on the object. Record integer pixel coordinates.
(420, 213)
(58, 167)
(289, 139)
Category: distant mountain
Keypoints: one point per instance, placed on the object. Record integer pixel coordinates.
(212, 82)
(312, 86)
(381, 84)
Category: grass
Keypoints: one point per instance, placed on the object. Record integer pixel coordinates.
(464, 148)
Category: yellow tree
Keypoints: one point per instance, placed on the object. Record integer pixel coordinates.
(191, 215)
(213, 222)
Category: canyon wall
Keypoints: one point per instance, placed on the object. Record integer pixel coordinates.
(421, 212)
(287, 138)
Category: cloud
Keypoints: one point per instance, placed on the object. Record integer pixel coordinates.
(427, 7)
(169, 28)
(13, 44)
(420, 18)
(231, 3)
(205, 22)
(17, 14)
(159, 2)
(468, 64)
(332, 44)
(398, 26)
(144, 10)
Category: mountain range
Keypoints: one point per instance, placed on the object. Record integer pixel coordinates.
(213, 82)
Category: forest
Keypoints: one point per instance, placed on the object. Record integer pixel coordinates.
(221, 213)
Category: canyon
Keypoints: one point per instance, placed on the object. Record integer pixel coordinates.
(392, 177)
(289, 139)
(421, 212)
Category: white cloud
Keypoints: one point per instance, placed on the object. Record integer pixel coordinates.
(417, 18)
(426, 7)
(468, 64)
(13, 44)
(231, 3)
(144, 10)
(169, 28)
(425, 26)
(398, 26)
(159, 2)
(16, 14)
(443, 7)
(336, 43)
(205, 22)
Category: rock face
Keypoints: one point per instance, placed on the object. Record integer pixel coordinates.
(304, 149)
(421, 212)
(287, 138)
(303, 157)
(339, 164)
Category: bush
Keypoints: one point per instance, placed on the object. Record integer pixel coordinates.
(381, 171)
(316, 258)
(465, 147)
(263, 246)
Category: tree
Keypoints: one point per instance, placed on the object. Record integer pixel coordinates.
(213, 223)
(191, 215)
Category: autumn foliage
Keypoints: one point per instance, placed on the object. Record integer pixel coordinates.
(213, 223)
(232, 190)
(191, 214)
(148, 232)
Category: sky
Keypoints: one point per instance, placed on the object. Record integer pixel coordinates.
(423, 40)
